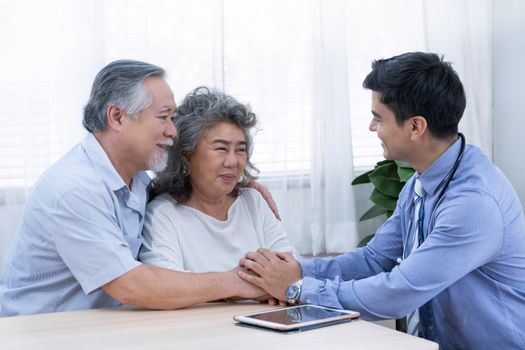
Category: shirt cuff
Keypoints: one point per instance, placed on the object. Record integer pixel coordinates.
(330, 293)
(321, 292)
(309, 290)
(308, 267)
(104, 277)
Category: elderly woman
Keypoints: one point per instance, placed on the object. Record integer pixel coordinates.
(202, 217)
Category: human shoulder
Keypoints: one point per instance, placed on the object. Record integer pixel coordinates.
(475, 184)
(476, 165)
(471, 209)
(251, 198)
(162, 219)
(479, 178)
(71, 172)
(162, 203)
(251, 194)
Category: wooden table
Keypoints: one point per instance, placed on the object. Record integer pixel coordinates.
(206, 326)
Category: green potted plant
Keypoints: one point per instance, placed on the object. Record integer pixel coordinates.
(388, 178)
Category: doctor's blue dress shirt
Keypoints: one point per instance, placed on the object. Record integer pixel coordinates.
(470, 268)
(81, 228)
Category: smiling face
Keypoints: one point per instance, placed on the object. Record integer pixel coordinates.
(218, 161)
(395, 139)
(152, 130)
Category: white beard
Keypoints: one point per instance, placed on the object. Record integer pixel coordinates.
(159, 161)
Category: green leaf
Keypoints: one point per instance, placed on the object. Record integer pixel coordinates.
(362, 179)
(365, 240)
(381, 162)
(387, 185)
(387, 169)
(405, 173)
(388, 178)
(372, 213)
(382, 200)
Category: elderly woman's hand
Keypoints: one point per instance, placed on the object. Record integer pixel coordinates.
(263, 190)
(272, 271)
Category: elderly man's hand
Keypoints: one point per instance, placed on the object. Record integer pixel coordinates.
(267, 197)
(275, 271)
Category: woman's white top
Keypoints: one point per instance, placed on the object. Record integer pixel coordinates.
(182, 238)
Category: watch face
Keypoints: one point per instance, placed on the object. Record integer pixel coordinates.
(291, 292)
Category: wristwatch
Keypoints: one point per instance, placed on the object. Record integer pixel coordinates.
(293, 292)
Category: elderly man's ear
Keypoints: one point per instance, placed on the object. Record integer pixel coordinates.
(114, 117)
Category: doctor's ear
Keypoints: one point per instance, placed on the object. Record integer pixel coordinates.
(114, 117)
(418, 125)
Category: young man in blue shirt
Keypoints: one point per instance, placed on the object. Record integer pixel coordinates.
(459, 262)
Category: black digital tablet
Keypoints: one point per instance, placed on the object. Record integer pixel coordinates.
(296, 317)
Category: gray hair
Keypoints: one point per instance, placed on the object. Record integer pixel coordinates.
(120, 83)
(200, 110)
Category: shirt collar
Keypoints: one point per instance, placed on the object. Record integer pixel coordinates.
(102, 164)
(432, 178)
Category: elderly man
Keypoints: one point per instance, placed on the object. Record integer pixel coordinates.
(80, 234)
(452, 256)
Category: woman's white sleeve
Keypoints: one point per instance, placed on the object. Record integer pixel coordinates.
(161, 245)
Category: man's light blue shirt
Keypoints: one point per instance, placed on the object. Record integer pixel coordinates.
(471, 265)
(81, 229)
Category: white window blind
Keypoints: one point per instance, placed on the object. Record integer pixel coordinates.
(31, 135)
(268, 63)
(260, 52)
(397, 25)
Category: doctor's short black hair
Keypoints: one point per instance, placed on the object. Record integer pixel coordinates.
(419, 83)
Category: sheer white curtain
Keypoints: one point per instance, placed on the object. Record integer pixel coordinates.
(47, 68)
(467, 41)
(333, 221)
(299, 63)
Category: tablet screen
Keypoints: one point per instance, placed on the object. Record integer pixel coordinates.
(296, 317)
(298, 314)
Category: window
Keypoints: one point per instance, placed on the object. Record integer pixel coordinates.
(260, 52)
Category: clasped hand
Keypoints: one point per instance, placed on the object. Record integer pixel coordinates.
(273, 271)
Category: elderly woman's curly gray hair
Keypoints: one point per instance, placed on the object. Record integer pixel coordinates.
(202, 109)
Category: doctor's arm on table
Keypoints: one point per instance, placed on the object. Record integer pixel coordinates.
(276, 271)
(395, 293)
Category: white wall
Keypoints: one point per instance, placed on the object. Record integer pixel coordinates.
(509, 91)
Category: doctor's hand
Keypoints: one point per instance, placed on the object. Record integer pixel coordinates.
(274, 272)
(243, 289)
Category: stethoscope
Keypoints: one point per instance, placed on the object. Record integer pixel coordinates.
(440, 196)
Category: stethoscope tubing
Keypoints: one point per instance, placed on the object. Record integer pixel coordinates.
(440, 196)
